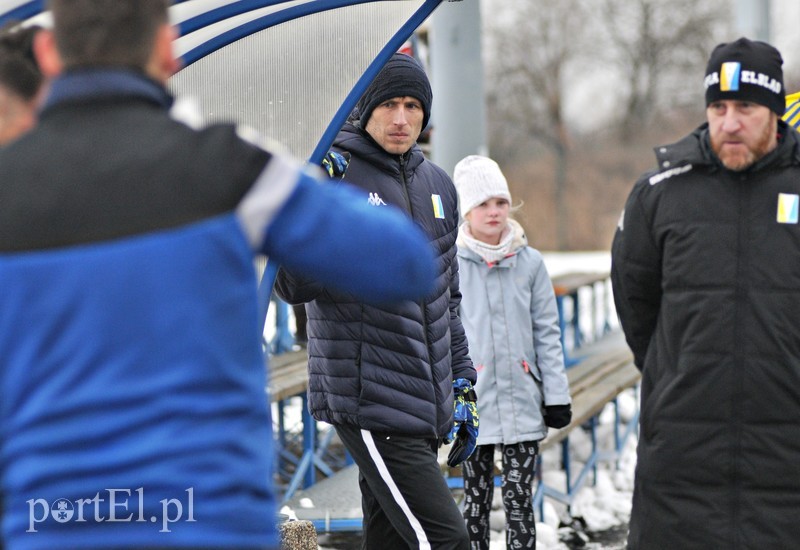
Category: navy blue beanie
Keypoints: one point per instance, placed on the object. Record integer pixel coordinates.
(402, 76)
(746, 70)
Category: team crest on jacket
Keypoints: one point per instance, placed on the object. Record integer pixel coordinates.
(788, 208)
(438, 207)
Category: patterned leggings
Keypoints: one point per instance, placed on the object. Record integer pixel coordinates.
(519, 465)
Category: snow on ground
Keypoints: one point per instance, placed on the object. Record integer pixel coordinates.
(603, 504)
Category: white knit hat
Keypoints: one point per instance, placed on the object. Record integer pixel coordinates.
(478, 179)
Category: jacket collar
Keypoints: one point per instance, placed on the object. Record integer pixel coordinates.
(95, 84)
(520, 241)
(356, 140)
(695, 149)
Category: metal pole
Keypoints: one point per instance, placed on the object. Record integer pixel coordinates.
(752, 19)
(456, 69)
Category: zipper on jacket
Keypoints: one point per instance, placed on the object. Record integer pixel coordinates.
(527, 368)
(404, 186)
(741, 293)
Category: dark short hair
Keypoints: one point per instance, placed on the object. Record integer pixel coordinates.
(19, 72)
(107, 33)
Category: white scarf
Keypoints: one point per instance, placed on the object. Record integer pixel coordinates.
(491, 253)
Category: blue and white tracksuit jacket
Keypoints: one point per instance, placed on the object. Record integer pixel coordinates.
(133, 409)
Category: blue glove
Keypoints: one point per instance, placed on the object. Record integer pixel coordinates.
(335, 164)
(464, 433)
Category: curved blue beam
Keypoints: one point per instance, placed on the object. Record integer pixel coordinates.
(324, 144)
(216, 15)
(256, 25)
(360, 86)
(22, 12)
(288, 14)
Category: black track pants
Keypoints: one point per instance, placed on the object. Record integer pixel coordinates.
(404, 496)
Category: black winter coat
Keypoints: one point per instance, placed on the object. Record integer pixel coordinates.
(389, 368)
(706, 279)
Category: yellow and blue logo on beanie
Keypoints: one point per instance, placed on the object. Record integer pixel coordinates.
(746, 70)
(729, 76)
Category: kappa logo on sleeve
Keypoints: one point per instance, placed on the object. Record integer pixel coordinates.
(375, 200)
(788, 208)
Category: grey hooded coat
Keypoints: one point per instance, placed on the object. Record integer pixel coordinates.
(509, 314)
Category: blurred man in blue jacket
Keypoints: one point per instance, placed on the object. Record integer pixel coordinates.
(134, 413)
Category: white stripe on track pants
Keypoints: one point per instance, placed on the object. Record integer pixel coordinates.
(404, 496)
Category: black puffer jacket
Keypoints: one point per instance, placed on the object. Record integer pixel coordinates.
(706, 276)
(389, 368)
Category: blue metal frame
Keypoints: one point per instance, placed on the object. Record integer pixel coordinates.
(597, 455)
(22, 12)
(573, 321)
(254, 26)
(361, 85)
(338, 525)
(324, 144)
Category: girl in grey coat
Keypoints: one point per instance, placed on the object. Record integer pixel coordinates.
(509, 313)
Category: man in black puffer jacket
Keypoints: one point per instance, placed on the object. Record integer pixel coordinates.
(706, 276)
(383, 374)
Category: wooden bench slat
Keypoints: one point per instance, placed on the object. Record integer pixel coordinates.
(596, 369)
(277, 362)
(592, 399)
(569, 283)
(287, 375)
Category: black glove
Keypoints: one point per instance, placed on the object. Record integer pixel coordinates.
(557, 416)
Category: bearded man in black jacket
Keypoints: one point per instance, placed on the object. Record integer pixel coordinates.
(706, 278)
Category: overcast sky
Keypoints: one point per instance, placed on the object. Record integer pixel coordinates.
(785, 22)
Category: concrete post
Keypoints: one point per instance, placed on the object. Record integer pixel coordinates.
(752, 19)
(456, 71)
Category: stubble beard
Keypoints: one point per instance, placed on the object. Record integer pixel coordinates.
(741, 160)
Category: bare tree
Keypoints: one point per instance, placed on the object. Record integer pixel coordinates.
(621, 68)
(656, 48)
(530, 44)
